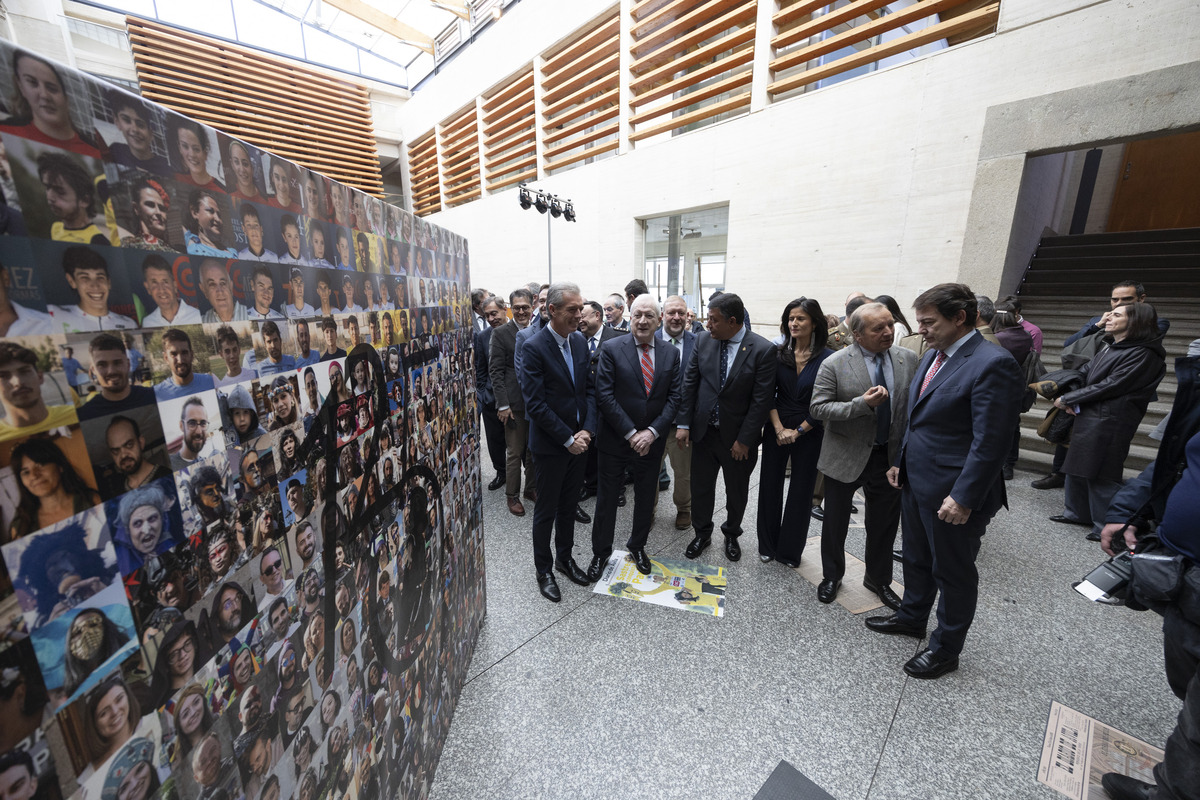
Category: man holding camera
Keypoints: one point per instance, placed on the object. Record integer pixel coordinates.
(1168, 493)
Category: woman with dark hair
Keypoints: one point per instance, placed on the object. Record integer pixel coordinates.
(111, 714)
(41, 109)
(337, 383)
(91, 640)
(1119, 384)
(192, 721)
(150, 203)
(902, 327)
(50, 489)
(179, 655)
(192, 147)
(289, 443)
(792, 435)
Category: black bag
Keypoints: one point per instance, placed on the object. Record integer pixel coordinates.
(1158, 573)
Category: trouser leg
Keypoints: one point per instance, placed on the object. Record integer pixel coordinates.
(705, 466)
(516, 432)
(881, 518)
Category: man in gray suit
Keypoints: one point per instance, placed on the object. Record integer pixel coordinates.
(861, 393)
(510, 405)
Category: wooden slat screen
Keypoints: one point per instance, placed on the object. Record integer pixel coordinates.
(424, 175)
(808, 31)
(320, 122)
(691, 62)
(460, 157)
(510, 133)
(581, 96)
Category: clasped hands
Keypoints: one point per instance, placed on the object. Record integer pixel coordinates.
(641, 441)
(580, 445)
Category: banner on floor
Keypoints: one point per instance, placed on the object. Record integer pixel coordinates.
(686, 585)
(1078, 750)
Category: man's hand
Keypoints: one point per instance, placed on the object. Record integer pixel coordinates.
(587, 437)
(875, 395)
(682, 437)
(740, 451)
(641, 441)
(786, 436)
(952, 512)
(1120, 532)
(893, 476)
(504, 416)
(1060, 404)
(577, 446)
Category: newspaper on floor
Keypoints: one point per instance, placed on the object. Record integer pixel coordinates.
(687, 585)
(1079, 750)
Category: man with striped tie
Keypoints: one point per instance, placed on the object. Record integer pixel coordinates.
(963, 404)
(637, 394)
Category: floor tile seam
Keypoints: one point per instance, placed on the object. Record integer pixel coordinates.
(888, 736)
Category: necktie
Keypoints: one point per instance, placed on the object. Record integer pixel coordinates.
(647, 368)
(714, 418)
(592, 346)
(933, 370)
(566, 351)
(883, 412)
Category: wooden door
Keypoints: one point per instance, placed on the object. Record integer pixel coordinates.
(1159, 186)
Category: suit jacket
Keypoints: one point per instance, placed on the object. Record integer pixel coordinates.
(483, 379)
(621, 392)
(850, 424)
(689, 347)
(535, 325)
(502, 370)
(607, 332)
(557, 406)
(746, 397)
(961, 428)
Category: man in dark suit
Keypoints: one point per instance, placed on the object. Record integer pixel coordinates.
(478, 318)
(728, 389)
(510, 405)
(560, 402)
(494, 316)
(675, 332)
(637, 393)
(595, 333)
(963, 404)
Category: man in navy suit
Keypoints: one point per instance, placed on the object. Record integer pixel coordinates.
(675, 332)
(492, 309)
(963, 404)
(637, 393)
(560, 402)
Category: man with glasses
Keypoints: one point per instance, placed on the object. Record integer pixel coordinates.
(272, 575)
(193, 423)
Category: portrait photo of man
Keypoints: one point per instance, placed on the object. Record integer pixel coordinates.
(262, 289)
(88, 275)
(212, 276)
(111, 370)
(252, 229)
(133, 118)
(158, 278)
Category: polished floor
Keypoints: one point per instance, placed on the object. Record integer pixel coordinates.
(599, 697)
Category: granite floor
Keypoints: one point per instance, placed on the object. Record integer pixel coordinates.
(599, 697)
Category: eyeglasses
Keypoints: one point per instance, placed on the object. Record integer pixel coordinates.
(270, 569)
(179, 652)
(196, 423)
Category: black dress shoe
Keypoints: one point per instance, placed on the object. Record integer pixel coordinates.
(766, 559)
(664, 485)
(827, 591)
(1123, 787)
(697, 546)
(1054, 480)
(929, 664)
(641, 561)
(884, 593)
(818, 513)
(894, 627)
(596, 568)
(572, 571)
(549, 587)
(1006, 473)
(1093, 536)
(621, 499)
(1065, 520)
(733, 551)
(898, 555)
(496, 483)
(581, 515)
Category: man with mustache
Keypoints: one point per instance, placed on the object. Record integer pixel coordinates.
(160, 285)
(193, 422)
(127, 446)
(111, 371)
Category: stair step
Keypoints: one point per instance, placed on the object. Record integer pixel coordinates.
(1125, 237)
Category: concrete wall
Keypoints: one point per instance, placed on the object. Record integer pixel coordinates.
(879, 183)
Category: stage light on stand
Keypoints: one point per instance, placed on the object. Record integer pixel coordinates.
(540, 203)
(569, 212)
(558, 208)
(555, 207)
(523, 198)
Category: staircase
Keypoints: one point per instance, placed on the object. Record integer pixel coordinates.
(1069, 281)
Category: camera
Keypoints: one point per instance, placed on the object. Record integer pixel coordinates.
(1108, 582)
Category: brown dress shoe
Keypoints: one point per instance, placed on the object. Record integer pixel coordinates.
(514, 505)
(531, 494)
(683, 520)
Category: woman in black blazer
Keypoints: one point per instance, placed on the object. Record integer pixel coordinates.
(1120, 382)
(792, 434)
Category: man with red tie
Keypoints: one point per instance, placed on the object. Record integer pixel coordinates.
(962, 406)
(637, 394)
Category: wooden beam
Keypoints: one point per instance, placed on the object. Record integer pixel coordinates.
(736, 81)
(389, 25)
(456, 7)
(693, 78)
(729, 104)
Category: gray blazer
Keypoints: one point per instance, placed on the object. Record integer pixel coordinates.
(849, 421)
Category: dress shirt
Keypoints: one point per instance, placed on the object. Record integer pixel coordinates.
(186, 315)
(889, 373)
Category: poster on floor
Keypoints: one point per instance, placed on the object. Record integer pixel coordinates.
(241, 541)
(1078, 750)
(674, 583)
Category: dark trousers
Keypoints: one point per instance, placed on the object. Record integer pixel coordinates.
(493, 430)
(611, 482)
(710, 456)
(1014, 450)
(881, 516)
(783, 528)
(559, 478)
(939, 557)
(1178, 776)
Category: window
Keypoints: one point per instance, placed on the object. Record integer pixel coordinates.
(684, 254)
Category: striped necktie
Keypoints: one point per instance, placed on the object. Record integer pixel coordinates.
(647, 368)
